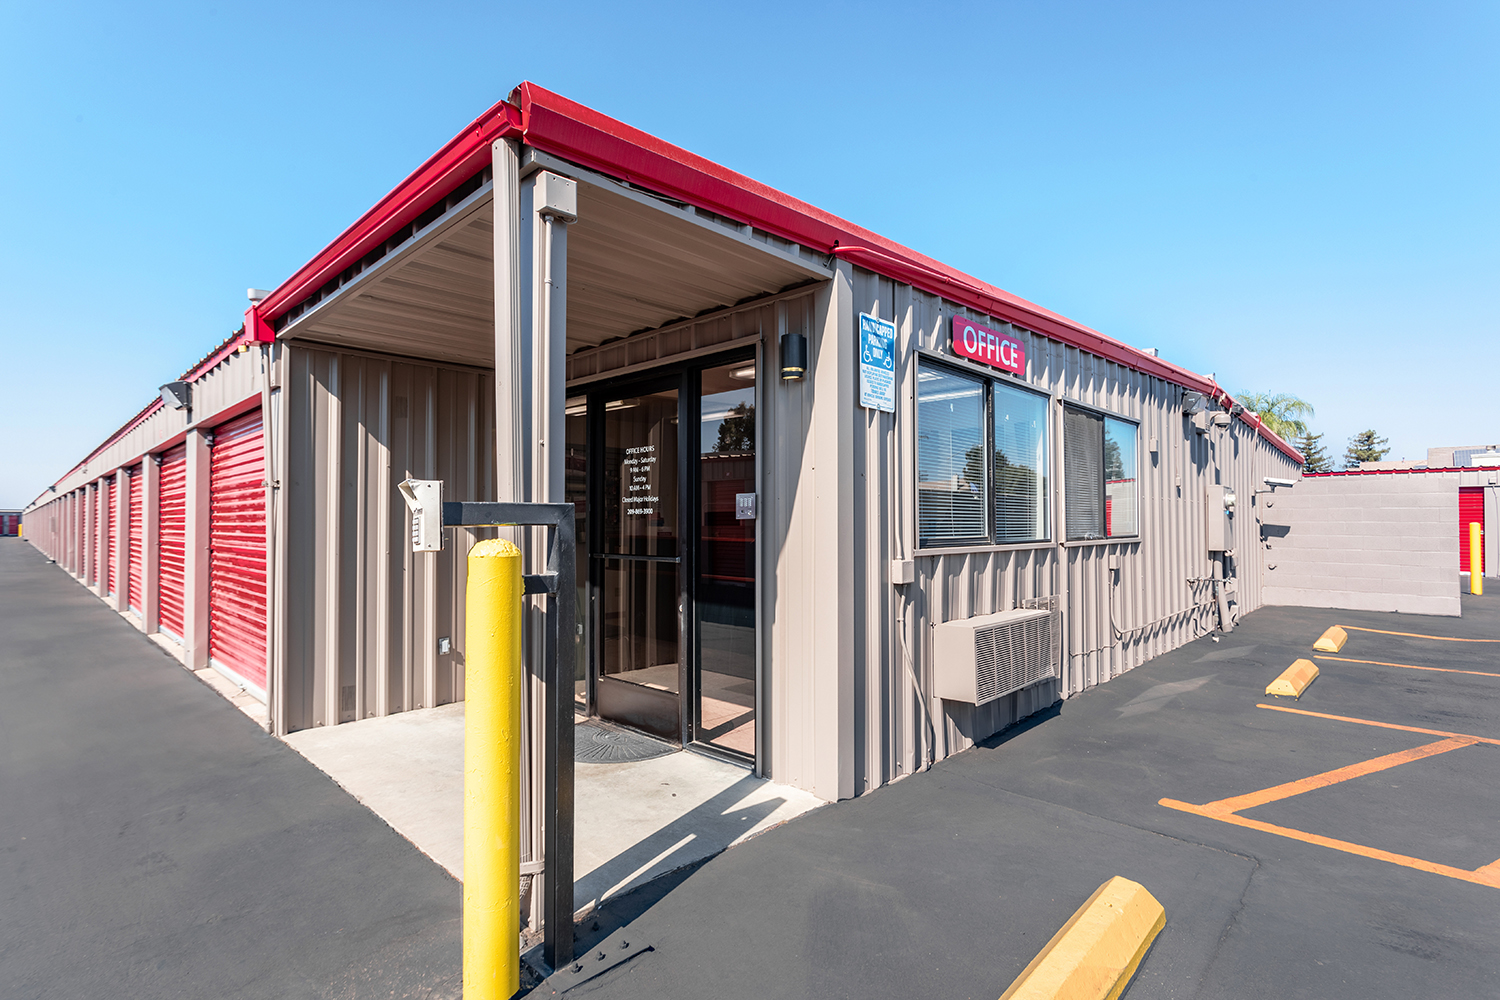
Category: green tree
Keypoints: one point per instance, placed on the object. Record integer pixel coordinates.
(737, 432)
(1366, 446)
(1281, 412)
(1315, 459)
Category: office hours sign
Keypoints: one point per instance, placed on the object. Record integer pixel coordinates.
(980, 343)
(877, 364)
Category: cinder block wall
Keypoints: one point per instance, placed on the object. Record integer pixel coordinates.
(1369, 543)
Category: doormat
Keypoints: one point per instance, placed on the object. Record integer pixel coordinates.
(597, 743)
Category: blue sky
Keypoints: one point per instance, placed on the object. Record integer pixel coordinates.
(1296, 197)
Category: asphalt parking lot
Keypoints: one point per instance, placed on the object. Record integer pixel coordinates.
(1364, 882)
(154, 842)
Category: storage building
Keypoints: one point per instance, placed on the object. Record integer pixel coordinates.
(843, 510)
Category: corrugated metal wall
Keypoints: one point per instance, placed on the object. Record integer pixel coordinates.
(359, 616)
(898, 729)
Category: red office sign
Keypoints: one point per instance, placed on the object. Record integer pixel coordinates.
(970, 340)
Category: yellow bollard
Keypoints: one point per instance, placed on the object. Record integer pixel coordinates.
(1476, 558)
(492, 788)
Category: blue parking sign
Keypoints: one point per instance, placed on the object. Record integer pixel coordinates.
(877, 364)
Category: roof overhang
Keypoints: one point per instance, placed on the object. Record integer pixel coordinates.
(554, 125)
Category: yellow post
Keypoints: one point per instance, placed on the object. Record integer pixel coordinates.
(1476, 558)
(492, 787)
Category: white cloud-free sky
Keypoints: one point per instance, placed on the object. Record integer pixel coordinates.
(1297, 197)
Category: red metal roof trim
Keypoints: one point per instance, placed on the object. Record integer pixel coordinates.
(565, 128)
(463, 156)
(554, 124)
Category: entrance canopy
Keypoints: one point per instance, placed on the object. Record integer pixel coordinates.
(636, 262)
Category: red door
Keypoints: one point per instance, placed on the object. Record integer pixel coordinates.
(135, 577)
(173, 546)
(94, 560)
(237, 550)
(111, 543)
(1470, 509)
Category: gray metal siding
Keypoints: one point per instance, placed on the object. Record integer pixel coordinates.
(362, 614)
(898, 728)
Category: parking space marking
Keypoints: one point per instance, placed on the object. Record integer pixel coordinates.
(1223, 807)
(1412, 635)
(1380, 725)
(1227, 810)
(1408, 666)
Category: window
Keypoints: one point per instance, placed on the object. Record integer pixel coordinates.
(950, 457)
(979, 439)
(1020, 465)
(1099, 473)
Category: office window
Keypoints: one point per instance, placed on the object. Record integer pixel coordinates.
(1020, 464)
(1099, 476)
(950, 457)
(981, 460)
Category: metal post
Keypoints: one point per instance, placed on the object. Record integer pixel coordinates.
(492, 787)
(560, 584)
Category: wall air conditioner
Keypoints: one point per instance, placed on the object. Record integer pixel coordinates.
(986, 657)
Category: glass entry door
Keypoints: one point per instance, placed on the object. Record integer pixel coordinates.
(724, 563)
(668, 636)
(638, 563)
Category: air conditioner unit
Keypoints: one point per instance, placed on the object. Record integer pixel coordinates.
(986, 657)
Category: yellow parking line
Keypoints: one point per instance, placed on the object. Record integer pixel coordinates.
(1380, 725)
(1413, 635)
(1364, 767)
(1409, 666)
(1484, 876)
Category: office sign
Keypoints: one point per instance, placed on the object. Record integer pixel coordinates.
(877, 364)
(970, 340)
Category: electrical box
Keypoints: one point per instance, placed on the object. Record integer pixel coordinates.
(1219, 511)
(424, 497)
(556, 196)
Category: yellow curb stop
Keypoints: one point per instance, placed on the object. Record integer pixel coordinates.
(1095, 954)
(1294, 679)
(1331, 641)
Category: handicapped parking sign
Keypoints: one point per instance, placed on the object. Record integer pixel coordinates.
(877, 364)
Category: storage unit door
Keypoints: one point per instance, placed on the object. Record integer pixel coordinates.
(237, 551)
(1470, 510)
(112, 544)
(136, 569)
(172, 518)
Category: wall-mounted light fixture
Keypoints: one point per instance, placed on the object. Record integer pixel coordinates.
(793, 357)
(177, 395)
(1193, 402)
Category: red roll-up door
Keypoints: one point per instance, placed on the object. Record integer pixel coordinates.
(135, 574)
(237, 550)
(173, 546)
(111, 543)
(93, 574)
(1470, 509)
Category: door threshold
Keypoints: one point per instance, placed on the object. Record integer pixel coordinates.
(717, 753)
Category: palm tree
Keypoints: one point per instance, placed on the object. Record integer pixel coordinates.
(1281, 412)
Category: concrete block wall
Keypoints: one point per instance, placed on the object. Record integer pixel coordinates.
(1368, 543)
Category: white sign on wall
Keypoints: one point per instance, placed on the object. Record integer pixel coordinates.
(877, 364)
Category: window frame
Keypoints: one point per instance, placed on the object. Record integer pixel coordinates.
(1104, 414)
(988, 379)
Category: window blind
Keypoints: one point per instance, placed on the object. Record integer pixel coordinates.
(1083, 474)
(951, 500)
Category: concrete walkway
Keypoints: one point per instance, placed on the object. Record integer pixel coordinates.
(155, 842)
(633, 821)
